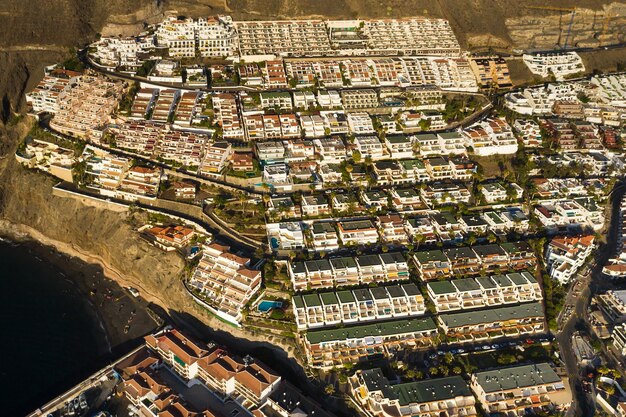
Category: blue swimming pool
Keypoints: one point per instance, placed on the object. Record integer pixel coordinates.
(267, 305)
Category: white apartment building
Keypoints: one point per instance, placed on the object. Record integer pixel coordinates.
(346, 271)
(216, 157)
(558, 63)
(352, 306)
(216, 36)
(285, 236)
(566, 255)
(370, 147)
(179, 36)
(434, 397)
(225, 281)
(329, 99)
(312, 126)
(360, 123)
(180, 146)
(516, 390)
(486, 291)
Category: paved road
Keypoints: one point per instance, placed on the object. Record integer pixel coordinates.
(584, 405)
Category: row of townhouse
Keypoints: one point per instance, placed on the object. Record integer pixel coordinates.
(571, 135)
(581, 212)
(594, 163)
(143, 103)
(450, 396)
(475, 260)
(220, 36)
(261, 126)
(329, 348)
(165, 105)
(329, 235)
(551, 188)
(528, 132)
(116, 177)
(335, 347)
(225, 281)
(271, 126)
(616, 267)
(444, 73)
(332, 308)
(513, 391)
(161, 141)
(566, 255)
(347, 271)
(410, 36)
(245, 381)
(613, 305)
(495, 323)
(228, 116)
(387, 155)
(87, 106)
(484, 291)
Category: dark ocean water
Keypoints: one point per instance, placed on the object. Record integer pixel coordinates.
(50, 337)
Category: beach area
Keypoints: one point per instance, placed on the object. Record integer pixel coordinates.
(121, 316)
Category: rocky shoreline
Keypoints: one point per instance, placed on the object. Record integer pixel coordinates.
(109, 301)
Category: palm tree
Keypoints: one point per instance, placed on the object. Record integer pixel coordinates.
(419, 239)
(242, 199)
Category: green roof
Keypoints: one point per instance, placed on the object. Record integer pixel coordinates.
(517, 278)
(502, 280)
(486, 282)
(431, 256)
(323, 227)
(346, 296)
(426, 136)
(466, 284)
(329, 298)
(343, 262)
(484, 250)
(450, 135)
(441, 287)
(430, 390)
(362, 295)
(418, 392)
(410, 164)
(505, 379)
(276, 94)
(312, 300)
(473, 318)
(397, 139)
(460, 253)
(494, 217)
(411, 289)
(379, 293)
(529, 277)
(357, 224)
(392, 257)
(390, 328)
(297, 301)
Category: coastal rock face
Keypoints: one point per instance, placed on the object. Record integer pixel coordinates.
(26, 199)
